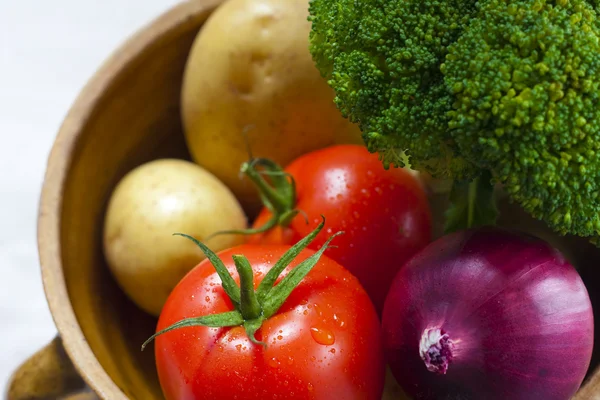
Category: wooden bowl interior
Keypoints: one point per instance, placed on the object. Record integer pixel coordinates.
(137, 119)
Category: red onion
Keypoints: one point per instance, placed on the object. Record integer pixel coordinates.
(488, 314)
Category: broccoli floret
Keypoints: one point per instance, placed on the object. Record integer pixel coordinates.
(527, 106)
(383, 59)
(506, 86)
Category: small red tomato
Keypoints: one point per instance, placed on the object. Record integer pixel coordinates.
(384, 213)
(324, 342)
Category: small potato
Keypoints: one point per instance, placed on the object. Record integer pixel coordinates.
(250, 70)
(151, 203)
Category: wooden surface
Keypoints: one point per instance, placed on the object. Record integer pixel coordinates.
(128, 114)
(48, 375)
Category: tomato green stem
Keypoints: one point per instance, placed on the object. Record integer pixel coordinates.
(280, 193)
(251, 326)
(252, 307)
(229, 285)
(268, 225)
(266, 285)
(279, 294)
(232, 318)
(249, 305)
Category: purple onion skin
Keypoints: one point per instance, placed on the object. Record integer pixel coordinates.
(516, 313)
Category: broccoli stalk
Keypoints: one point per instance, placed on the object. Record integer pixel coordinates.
(508, 89)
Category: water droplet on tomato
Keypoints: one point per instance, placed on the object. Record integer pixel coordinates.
(279, 337)
(317, 308)
(238, 347)
(322, 336)
(305, 312)
(365, 193)
(207, 299)
(273, 362)
(369, 173)
(356, 214)
(338, 321)
(378, 190)
(332, 351)
(339, 196)
(310, 387)
(290, 360)
(329, 231)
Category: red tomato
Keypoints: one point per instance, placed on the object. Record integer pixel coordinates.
(323, 343)
(384, 213)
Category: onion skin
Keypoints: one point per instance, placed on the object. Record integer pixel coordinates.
(517, 318)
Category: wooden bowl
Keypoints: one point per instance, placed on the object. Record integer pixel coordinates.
(128, 114)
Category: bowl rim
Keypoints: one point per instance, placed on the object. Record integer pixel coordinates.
(57, 170)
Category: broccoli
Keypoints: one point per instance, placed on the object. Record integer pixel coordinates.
(506, 88)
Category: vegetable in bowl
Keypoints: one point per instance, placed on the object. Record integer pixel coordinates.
(385, 213)
(498, 97)
(488, 313)
(269, 322)
(159, 196)
(463, 88)
(250, 74)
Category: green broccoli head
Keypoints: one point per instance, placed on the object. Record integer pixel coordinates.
(526, 78)
(383, 59)
(506, 86)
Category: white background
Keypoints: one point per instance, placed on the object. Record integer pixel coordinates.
(48, 50)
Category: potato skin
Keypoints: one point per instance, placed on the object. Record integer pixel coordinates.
(250, 70)
(149, 204)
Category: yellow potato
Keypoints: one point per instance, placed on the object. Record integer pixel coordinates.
(250, 70)
(151, 203)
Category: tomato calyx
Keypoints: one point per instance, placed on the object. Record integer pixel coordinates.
(253, 307)
(278, 195)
